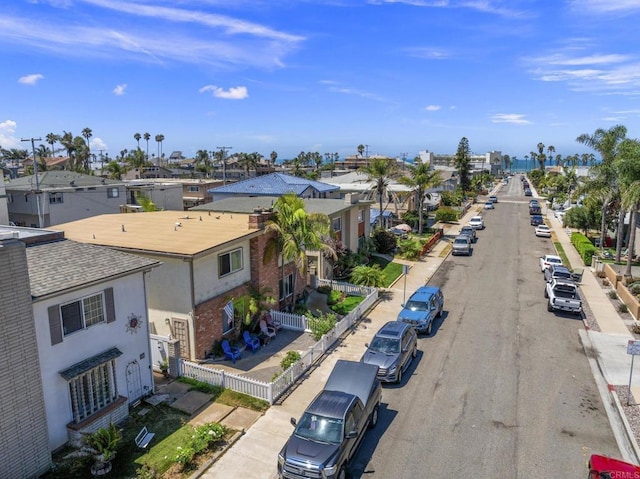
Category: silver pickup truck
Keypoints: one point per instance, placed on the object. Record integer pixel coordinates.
(563, 296)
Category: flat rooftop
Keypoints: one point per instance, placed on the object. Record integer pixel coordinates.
(170, 232)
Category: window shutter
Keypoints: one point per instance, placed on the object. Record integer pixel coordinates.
(55, 326)
(109, 305)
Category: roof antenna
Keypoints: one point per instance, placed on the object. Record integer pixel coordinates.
(201, 218)
(123, 228)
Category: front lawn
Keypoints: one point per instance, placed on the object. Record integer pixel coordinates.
(390, 270)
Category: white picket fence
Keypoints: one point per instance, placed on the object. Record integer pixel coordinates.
(272, 391)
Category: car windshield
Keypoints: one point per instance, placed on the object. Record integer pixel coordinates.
(416, 306)
(461, 241)
(385, 345)
(554, 260)
(319, 428)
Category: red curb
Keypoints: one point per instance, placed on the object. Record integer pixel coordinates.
(610, 387)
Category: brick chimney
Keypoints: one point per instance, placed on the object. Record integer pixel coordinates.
(259, 218)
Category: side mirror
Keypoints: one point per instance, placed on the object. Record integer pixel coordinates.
(352, 434)
(294, 422)
(366, 345)
(402, 305)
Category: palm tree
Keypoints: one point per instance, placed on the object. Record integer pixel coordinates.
(606, 142)
(550, 151)
(137, 137)
(159, 140)
(86, 134)
(628, 167)
(273, 156)
(295, 232)
(115, 170)
(421, 179)
(52, 138)
(380, 171)
(361, 149)
(147, 137)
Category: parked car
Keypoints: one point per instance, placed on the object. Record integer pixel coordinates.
(527, 192)
(392, 349)
(557, 271)
(469, 231)
(493, 199)
(543, 231)
(461, 245)
(422, 308)
(489, 205)
(536, 220)
(548, 260)
(563, 296)
(535, 209)
(477, 222)
(601, 467)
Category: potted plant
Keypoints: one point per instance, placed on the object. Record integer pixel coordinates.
(103, 444)
(164, 367)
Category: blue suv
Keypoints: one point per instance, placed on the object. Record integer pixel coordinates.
(422, 308)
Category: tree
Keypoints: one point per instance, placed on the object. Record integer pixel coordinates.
(86, 134)
(550, 151)
(115, 170)
(137, 137)
(361, 149)
(604, 180)
(147, 137)
(462, 162)
(628, 167)
(421, 179)
(159, 140)
(295, 231)
(273, 156)
(380, 171)
(52, 138)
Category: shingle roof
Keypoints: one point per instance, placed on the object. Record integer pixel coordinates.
(62, 265)
(274, 184)
(55, 179)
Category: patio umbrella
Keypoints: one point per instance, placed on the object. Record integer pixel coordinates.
(404, 227)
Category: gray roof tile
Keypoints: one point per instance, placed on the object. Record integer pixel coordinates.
(274, 184)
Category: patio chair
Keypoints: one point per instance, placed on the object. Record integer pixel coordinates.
(230, 352)
(251, 342)
(267, 331)
(276, 325)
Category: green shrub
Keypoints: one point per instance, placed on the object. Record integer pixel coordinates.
(446, 214)
(623, 308)
(290, 358)
(368, 276)
(410, 249)
(334, 297)
(321, 325)
(201, 386)
(634, 288)
(348, 305)
(384, 241)
(613, 294)
(583, 246)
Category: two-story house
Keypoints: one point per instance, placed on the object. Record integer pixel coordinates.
(208, 259)
(53, 197)
(75, 343)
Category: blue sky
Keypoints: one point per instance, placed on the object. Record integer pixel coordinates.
(320, 75)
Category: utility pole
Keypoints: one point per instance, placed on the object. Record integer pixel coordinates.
(366, 155)
(35, 172)
(404, 159)
(224, 150)
(101, 162)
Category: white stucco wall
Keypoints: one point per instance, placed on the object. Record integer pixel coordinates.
(4, 210)
(209, 284)
(128, 298)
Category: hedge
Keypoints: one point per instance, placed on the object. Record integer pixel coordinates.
(583, 246)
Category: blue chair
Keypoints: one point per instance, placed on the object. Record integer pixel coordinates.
(230, 352)
(252, 343)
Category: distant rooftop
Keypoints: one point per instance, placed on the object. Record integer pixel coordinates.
(55, 179)
(274, 184)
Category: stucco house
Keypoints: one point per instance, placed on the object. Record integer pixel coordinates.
(54, 197)
(207, 260)
(76, 343)
(350, 221)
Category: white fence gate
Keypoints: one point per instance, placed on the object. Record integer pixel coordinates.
(159, 350)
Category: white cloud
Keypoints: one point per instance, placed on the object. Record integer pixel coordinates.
(7, 132)
(30, 79)
(606, 6)
(120, 89)
(433, 107)
(429, 53)
(233, 93)
(514, 118)
(486, 6)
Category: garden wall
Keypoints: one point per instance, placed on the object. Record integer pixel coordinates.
(631, 300)
(612, 275)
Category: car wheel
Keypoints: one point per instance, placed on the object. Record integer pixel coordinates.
(399, 376)
(374, 417)
(549, 307)
(546, 294)
(414, 353)
(429, 328)
(342, 474)
(439, 315)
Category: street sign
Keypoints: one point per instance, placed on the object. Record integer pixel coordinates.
(633, 347)
(405, 269)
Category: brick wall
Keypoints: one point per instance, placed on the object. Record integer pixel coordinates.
(24, 441)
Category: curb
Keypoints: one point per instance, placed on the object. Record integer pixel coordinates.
(202, 469)
(627, 428)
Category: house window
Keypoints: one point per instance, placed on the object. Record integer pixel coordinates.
(55, 198)
(113, 193)
(93, 391)
(230, 262)
(336, 224)
(193, 189)
(82, 314)
(286, 287)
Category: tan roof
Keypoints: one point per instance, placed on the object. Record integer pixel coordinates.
(173, 232)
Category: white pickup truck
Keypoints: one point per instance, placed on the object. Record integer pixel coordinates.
(563, 296)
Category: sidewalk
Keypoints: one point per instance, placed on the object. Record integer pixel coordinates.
(255, 454)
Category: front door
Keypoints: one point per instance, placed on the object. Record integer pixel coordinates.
(134, 382)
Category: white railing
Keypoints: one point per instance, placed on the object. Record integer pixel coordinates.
(272, 391)
(347, 288)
